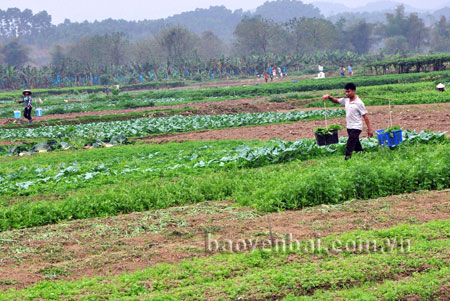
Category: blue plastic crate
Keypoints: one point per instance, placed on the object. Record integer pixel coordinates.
(16, 114)
(38, 112)
(390, 139)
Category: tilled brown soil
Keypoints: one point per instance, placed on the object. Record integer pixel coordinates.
(114, 245)
(420, 117)
(250, 105)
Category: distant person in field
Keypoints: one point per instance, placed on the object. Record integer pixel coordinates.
(28, 101)
(266, 77)
(355, 113)
(350, 70)
(342, 71)
(279, 71)
(274, 71)
(441, 87)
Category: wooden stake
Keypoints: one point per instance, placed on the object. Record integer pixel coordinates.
(390, 114)
(270, 231)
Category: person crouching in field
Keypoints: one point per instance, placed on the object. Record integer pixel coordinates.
(355, 112)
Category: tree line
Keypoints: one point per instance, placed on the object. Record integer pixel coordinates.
(177, 52)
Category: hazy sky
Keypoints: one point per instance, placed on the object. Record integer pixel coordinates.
(80, 10)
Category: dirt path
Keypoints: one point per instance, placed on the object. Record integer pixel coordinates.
(243, 82)
(127, 243)
(434, 117)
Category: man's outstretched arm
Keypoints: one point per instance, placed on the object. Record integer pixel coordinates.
(331, 98)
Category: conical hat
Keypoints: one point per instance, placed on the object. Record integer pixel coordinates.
(25, 91)
(440, 86)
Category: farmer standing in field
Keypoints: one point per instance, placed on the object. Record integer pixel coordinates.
(27, 99)
(355, 112)
(28, 104)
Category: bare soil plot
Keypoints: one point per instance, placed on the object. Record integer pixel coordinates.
(234, 106)
(109, 246)
(420, 117)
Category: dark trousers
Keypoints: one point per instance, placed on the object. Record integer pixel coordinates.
(27, 113)
(353, 143)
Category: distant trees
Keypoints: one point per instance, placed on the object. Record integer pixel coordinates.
(146, 51)
(404, 32)
(360, 36)
(58, 56)
(280, 11)
(14, 53)
(131, 52)
(440, 36)
(254, 35)
(311, 35)
(15, 23)
(177, 44)
(210, 45)
(280, 27)
(106, 50)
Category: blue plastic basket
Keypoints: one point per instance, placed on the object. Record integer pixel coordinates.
(390, 138)
(16, 114)
(38, 112)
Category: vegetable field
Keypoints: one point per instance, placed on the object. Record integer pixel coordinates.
(111, 209)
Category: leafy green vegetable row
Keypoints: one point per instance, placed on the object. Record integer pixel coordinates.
(381, 98)
(147, 126)
(412, 61)
(275, 187)
(97, 104)
(56, 105)
(396, 269)
(89, 89)
(305, 85)
(75, 170)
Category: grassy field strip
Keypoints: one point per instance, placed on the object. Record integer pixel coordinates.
(131, 242)
(418, 97)
(304, 85)
(265, 273)
(149, 126)
(168, 97)
(291, 185)
(19, 176)
(28, 175)
(429, 285)
(80, 119)
(105, 103)
(416, 93)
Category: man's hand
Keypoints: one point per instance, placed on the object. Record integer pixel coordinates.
(370, 133)
(326, 97)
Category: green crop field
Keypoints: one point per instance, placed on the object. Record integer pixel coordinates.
(88, 211)
(370, 86)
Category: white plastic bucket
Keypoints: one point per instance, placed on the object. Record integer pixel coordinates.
(38, 112)
(16, 114)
